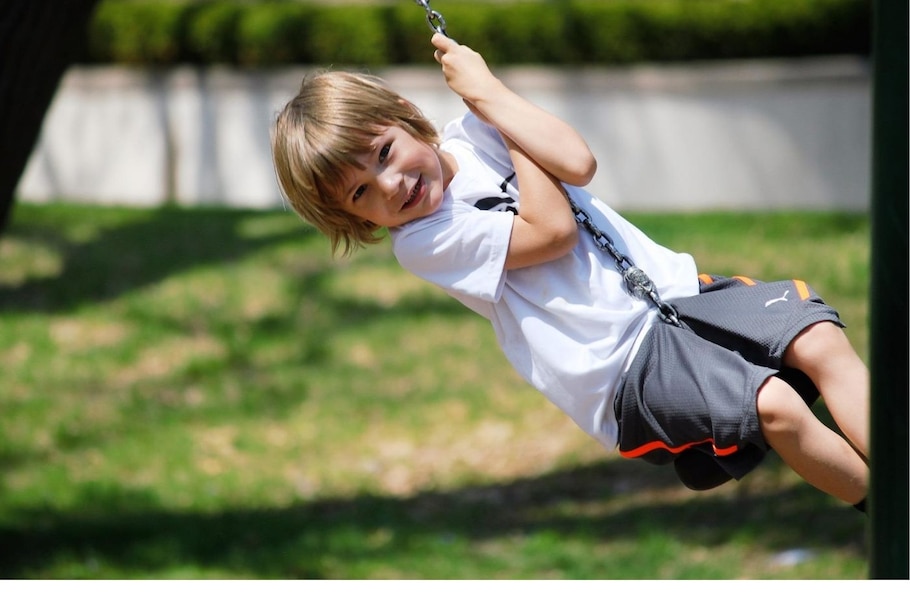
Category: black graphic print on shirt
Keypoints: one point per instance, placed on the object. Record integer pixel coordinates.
(503, 203)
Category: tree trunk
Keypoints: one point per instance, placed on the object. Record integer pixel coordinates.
(39, 39)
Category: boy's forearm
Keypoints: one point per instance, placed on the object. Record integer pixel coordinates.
(542, 196)
(545, 226)
(551, 142)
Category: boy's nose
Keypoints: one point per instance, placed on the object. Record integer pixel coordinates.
(390, 182)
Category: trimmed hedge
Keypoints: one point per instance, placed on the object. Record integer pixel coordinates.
(277, 32)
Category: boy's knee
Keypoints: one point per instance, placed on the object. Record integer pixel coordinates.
(780, 408)
(815, 345)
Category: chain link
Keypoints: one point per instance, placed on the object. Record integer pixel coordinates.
(435, 19)
(638, 283)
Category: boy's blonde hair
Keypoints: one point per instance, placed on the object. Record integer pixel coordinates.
(319, 135)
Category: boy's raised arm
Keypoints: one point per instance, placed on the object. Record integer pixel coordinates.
(544, 151)
(552, 143)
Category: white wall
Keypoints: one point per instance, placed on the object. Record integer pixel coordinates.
(764, 134)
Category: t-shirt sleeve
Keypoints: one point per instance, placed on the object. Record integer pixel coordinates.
(462, 250)
(485, 139)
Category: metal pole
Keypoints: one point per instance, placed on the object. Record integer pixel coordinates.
(888, 312)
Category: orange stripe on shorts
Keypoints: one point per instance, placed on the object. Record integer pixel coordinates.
(802, 289)
(658, 445)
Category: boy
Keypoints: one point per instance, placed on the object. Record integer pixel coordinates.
(703, 371)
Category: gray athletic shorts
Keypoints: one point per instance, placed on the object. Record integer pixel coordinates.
(689, 396)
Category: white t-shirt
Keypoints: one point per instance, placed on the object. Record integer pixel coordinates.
(568, 326)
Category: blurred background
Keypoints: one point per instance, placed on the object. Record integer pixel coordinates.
(688, 104)
(192, 387)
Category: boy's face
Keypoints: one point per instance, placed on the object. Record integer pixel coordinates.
(403, 179)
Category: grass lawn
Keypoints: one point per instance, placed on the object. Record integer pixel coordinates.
(207, 394)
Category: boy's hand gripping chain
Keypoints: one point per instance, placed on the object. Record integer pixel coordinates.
(434, 18)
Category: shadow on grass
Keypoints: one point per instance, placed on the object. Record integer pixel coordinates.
(134, 253)
(131, 254)
(128, 531)
(124, 530)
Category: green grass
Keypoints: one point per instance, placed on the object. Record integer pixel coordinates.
(206, 394)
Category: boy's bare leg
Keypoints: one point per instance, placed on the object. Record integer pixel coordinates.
(818, 454)
(823, 352)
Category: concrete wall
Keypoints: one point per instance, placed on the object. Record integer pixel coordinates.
(765, 134)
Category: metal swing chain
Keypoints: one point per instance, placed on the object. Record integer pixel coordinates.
(637, 281)
(435, 19)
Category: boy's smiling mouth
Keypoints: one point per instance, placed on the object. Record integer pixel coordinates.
(415, 194)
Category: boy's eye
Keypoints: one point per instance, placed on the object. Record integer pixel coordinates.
(384, 152)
